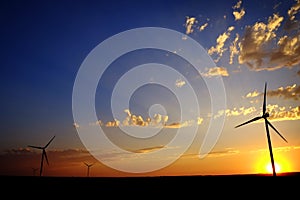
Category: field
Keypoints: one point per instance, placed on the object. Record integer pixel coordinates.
(115, 186)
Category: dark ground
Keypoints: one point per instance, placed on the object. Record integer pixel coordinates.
(231, 186)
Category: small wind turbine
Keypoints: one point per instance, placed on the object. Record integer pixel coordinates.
(88, 168)
(43, 154)
(264, 116)
(34, 170)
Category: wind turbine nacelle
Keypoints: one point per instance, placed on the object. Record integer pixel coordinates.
(266, 115)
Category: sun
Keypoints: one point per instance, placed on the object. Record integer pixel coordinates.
(270, 169)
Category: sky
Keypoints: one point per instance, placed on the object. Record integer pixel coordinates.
(149, 88)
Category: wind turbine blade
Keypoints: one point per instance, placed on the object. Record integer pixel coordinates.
(264, 104)
(42, 162)
(49, 142)
(35, 147)
(85, 163)
(44, 152)
(276, 131)
(252, 120)
(270, 147)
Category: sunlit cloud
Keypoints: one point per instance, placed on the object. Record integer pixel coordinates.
(261, 49)
(291, 22)
(187, 123)
(76, 125)
(238, 12)
(288, 92)
(239, 15)
(148, 149)
(279, 149)
(157, 121)
(189, 23)
(114, 123)
(226, 152)
(278, 113)
(233, 48)
(237, 5)
(215, 71)
(179, 83)
(294, 10)
(235, 112)
(202, 27)
(252, 94)
(219, 49)
(221, 153)
(180, 124)
(254, 42)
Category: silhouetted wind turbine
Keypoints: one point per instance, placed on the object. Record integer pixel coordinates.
(34, 170)
(88, 168)
(43, 154)
(264, 116)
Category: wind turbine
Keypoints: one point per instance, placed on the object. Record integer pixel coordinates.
(34, 170)
(264, 116)
(43, 154)
(88, 168)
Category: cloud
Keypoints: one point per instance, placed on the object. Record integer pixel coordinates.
(294, 10)
(237, 5)
(238, 12)
(256, 38)
(219, 49)
(202, 27)
(199, 120)
(278, 113)
(233, 48)
(225, 152)
(19, 151)
(189, 23)
(187, 123)
(252, 94)
(114, 123)
(76, 125)
(239, 15)
(298, 73)
(288, 92)
(262, 49)
(149, 149)
(235, 112)
(157, 121)
(291, 23)
(216, 71)
(179, 83)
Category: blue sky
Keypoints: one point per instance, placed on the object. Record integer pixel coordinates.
(44, 43)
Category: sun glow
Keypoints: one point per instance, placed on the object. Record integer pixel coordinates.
(282, 164)
(270, 169)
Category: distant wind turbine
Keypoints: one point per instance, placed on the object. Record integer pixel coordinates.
(43, 154)
(88, 168)
(264, 116)
(34, 170)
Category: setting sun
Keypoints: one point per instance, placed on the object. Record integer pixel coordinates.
(270, 170)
